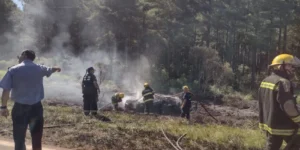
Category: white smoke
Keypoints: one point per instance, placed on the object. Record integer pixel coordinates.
(66, 85)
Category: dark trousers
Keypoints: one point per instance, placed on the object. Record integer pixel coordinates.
(148, 106)
(274, 142)
(115, 106)
(185, 112)
(22, 116)
(90, 104)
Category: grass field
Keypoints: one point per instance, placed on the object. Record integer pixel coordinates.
(2, 73)
(137, 131)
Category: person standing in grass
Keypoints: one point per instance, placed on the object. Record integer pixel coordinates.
(278, 113)
(90, 90)
(186, 103)
(25, 81)
(148, 97)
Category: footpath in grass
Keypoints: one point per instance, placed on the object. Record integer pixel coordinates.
(136, 131)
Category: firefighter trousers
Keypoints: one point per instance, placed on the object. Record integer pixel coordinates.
(115, 106)
(148, 106)
(185, 112)
(90, 104)
(274, 142)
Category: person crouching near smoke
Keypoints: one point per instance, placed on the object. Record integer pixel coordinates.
(186, 103)
(90, 91)
(116, 99)
(278, 113)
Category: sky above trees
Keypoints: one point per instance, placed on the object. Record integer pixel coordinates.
(19, 3)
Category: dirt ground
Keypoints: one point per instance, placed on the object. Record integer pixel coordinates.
(235, 112)
(85, 134)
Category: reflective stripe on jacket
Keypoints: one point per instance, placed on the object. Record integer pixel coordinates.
(272, 93)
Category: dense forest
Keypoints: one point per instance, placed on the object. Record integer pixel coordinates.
(195, 42)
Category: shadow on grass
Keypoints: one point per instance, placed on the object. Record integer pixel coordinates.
(101, 118)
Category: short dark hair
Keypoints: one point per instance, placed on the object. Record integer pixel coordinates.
(89, 69)
(30, 54)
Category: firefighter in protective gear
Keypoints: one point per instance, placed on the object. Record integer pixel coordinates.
(278, 113)
(186, 103)
(148, 95)
(116, 99)
(90, 90)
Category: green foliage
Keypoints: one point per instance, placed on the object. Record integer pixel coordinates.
(198, 43)
(6, 64)
(2, 73)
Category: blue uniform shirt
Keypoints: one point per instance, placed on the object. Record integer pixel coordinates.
(25, 81)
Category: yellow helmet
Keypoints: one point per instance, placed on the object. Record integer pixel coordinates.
(146, 84)
(121, 95)
(286, 59)
(185, 87)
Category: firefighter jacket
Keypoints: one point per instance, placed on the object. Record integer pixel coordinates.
(273, 95)
(148, 94)
(188, 98)
(88, 84)
(115, 99)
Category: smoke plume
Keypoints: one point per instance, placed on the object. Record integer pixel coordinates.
(66, 85)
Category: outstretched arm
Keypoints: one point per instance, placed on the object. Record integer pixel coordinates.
(56, 69)
(47, 71)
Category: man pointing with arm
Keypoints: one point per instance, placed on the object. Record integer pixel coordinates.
(25, 81)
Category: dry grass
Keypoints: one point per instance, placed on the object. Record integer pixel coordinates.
(2, 73)
(136, 132)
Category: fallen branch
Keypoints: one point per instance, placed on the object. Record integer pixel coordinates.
(3, 131)
(208, 112)
(56, 126)
(64, 125)
(49, 127)
(168, 139)
(178, 141)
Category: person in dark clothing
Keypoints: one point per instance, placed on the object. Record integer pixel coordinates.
(186, 103)
(278, 113)
(90, 90)
(116, 99)
(148, 95)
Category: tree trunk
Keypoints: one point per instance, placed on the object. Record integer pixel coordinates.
(284, 39)
(279, 40)
(253, 68)
(226, 43)
(208, 35)
(209, 24)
